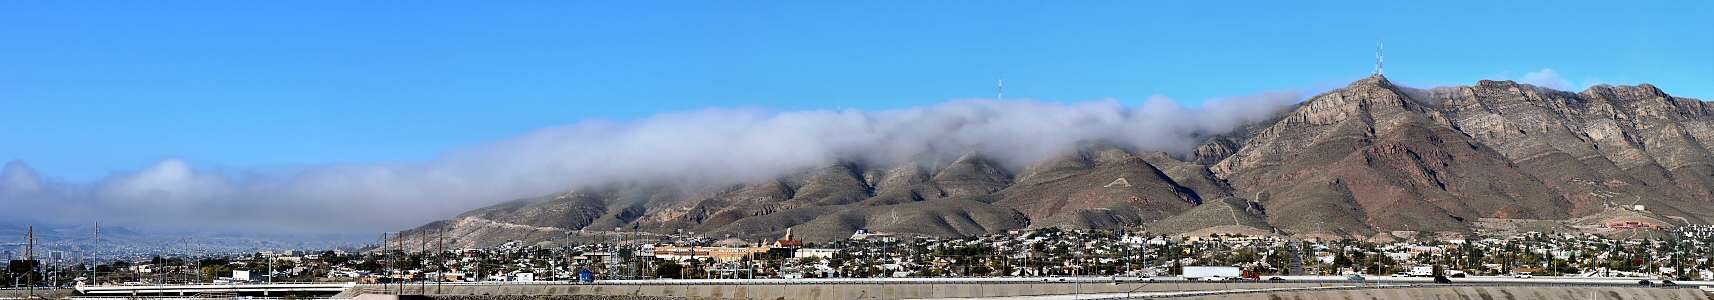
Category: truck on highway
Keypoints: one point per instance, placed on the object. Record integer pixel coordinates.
(1422, 271)
(1195, 272)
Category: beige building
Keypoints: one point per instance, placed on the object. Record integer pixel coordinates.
(720, 254)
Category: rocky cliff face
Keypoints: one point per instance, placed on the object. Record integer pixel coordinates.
(1376, 157)
(1368, 158)
(1637, 138)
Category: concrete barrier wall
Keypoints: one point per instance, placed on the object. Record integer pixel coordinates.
(44, 293)
(988, 290)
(1476, 292)
(835, 291)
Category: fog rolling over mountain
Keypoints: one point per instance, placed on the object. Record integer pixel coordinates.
(1368, 158)
(651, 161)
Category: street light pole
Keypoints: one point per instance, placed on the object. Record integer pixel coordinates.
(440, 264)
(30, 257)
(94, 266)
(1319, 268)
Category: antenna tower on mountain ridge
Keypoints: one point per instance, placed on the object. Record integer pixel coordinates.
(1379, 52)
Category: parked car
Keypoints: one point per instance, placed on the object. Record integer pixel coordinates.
(1441, 279)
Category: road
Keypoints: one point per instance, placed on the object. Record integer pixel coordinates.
(1042, 288)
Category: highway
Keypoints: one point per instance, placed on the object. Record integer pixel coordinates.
(1108, 279)
(193, 289)
(1083, 287)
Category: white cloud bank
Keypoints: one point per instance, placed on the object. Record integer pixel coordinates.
(1547, 78)
(711, 146)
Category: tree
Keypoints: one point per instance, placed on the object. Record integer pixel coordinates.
(669, 269)
(980, 270)
(334, 259)
(1340, 260)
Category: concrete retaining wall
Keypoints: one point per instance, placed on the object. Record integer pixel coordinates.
(44, 293)
(834, 291)
(1477, 292)
(837, 291)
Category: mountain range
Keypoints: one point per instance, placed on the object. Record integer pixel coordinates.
(108, 242)
(1360, 161)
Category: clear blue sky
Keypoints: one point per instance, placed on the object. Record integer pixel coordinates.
(88, 88)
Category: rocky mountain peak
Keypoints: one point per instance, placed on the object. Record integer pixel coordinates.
(1373, 81)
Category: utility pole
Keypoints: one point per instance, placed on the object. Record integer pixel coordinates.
(161, 271)
(381, 261)
(30, 258)
(94, 267)
(56, 255)
(186, 242)
(440, 263)
(398, 263)
(422, 284)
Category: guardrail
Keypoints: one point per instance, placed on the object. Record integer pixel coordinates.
(1330, 284)
(1383, 282)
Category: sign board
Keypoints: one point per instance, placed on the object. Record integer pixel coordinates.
(22, 266)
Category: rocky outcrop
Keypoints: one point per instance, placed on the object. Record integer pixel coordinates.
(1374, 157)
(1367, 158)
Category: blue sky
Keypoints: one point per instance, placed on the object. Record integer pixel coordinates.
(92, 88)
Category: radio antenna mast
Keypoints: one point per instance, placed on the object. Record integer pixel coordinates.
(1380, 51)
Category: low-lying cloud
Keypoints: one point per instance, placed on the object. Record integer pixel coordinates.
(1547, 78)
(712, 146)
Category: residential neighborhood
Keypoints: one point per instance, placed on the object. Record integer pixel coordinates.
(1674, 253)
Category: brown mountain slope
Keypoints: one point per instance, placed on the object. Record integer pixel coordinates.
(1126, 192)
(1366, 158)
(1226, 215)
(970, 195)
(1190, 175)
(1356, 161)
(1634, 138)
